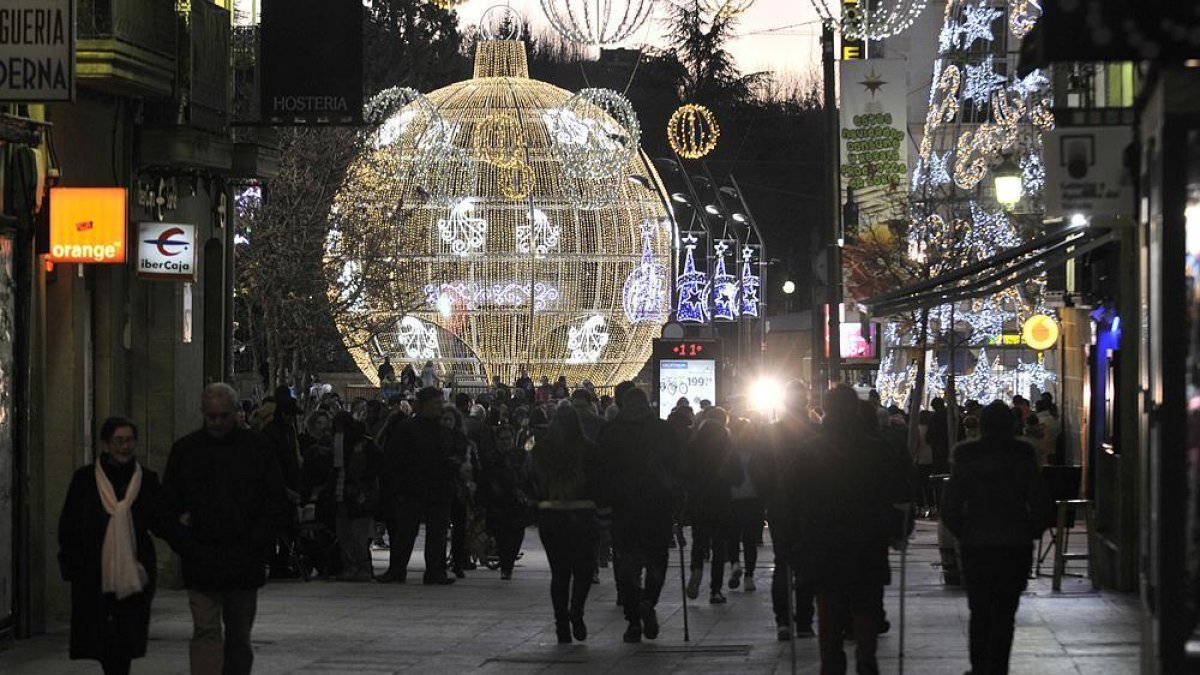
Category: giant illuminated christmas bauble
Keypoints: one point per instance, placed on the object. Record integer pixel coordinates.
(465, 241)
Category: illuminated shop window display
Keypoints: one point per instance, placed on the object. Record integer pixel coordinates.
(481, 243)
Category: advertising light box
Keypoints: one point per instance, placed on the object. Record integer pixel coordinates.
(695, 379)
(167, 251)
(87, 225)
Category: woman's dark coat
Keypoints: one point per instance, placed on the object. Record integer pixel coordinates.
(81, 529)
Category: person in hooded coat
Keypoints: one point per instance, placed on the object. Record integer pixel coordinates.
(996, 504)
(110, 599)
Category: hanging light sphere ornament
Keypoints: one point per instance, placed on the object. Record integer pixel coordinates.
(446, 4)
(513, 272)
(595, 135)
(501, 22)
(693, 131)
(885, 18)
(726, 8)
(597, 22)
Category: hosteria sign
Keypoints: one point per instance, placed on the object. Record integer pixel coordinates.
(37, 50)
(311, 64)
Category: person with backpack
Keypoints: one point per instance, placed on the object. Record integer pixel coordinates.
(640, 455)
(996, 504)
(565, 476)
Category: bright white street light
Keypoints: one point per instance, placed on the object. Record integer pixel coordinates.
(1078, 220)
(1007, 181)
(789, 287)
(766, 396)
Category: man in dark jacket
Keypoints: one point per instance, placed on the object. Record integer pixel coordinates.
(281, 431)
(712, 469)
(997, 504)
(420, 474)
(224, 489)
(639, 453)
(846, 494)
(789, 436)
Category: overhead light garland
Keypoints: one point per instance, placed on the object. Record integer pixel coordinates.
(885, 18)
(597, 23)
(726, 8)
(693, 131)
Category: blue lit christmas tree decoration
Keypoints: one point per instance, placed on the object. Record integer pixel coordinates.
(645, 287)
(750, 283)
(690, 286)
(724, 287)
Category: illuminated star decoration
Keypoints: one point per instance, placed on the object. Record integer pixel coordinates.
(725, 287)
(1032, 84)
(1033, 172)
(978, 24)
(948, 38)
(989, 232)
(872, 83)
(982, 80)
(692, 306)
(750, 283)
(938, 174)
(642, 294)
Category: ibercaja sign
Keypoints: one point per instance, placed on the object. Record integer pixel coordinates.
(166, 251)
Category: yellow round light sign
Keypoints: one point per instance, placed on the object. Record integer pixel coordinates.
(1040, 332)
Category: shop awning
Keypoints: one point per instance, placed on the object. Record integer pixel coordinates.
(987, 277)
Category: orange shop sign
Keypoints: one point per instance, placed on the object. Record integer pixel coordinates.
(87, 225)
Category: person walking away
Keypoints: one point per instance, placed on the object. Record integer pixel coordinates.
(745, 505)
(640, 455)
(409, 381)
(565, 475)
(712, 470)
(226, 503)
(105, 551)
(997, 505)
(429, 376)
(461, 451)
(585, 403)
(357, 465)
(280, 429)
(789, 438)
(509, 506)
(846, 492)
(421, 476)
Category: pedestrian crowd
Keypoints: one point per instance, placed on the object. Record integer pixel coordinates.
(297, 490)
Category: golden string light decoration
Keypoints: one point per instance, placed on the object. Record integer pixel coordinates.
(693, 131)
(726, 8)
(514, 273)
(446, 4)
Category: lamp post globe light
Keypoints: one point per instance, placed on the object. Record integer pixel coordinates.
(789, 287)
(1006, 180)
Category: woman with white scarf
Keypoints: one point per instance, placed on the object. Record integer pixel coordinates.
(106, 553)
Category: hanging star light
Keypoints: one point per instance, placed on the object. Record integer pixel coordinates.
(938, 174)
(750, 283)
(978, 23)
(462, 232)
(691, 286)
(586, 341)
(989, 232)
(981, 81)
(645, 288)
(419, 339)
(1031, 375)
(597, 24)
(1031, 85)
(724, 287)
(1033, 172)
(693, 131)
(918, 176)
(540, 237)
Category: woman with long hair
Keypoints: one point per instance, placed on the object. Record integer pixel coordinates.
(106, 553)
(565, 473)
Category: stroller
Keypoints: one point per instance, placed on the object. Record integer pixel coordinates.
(310, 549)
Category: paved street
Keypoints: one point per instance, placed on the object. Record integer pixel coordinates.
(485, 625)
